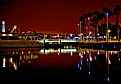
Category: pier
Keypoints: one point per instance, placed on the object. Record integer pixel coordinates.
(110, 45)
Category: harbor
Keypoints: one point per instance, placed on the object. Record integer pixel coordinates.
(48, 41)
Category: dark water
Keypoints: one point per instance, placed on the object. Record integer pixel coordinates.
(60, 65)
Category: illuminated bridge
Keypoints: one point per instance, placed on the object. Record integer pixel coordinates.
(56, 40)
(61, 43)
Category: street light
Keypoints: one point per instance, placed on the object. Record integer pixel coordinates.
(81, 36)
(98, 36)
(89, 28)
(89, 34)
(109, 30)
(80, 26)
(107, 33)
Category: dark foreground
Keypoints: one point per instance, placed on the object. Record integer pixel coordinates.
(84, 66)
(60, 76)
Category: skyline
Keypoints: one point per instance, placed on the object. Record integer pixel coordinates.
(60, 16)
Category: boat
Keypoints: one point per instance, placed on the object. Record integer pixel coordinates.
(9, 40)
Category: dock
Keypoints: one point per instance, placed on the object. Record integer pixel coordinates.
(111, 44)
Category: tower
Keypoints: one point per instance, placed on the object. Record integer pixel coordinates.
(3, 26)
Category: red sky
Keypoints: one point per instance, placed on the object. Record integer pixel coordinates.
(56, 16)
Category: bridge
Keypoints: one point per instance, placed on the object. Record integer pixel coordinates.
(56, 40)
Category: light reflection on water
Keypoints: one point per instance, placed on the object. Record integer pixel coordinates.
(93, 64)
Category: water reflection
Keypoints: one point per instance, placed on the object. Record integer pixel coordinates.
(84, 64)
(11, 62)
(106, 62)
(60, 50)
(12, 58)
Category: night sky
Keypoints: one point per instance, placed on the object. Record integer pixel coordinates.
(49, 16)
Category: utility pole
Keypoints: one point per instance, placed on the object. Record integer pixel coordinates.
(107, 31)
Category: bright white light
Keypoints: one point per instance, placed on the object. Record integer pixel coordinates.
(98, 52)
(15, 26)
(22, 52)
(111, 52)
(71, 35)
(71, 53)
(11, 60)
(84, 52)
(90, 32)
(109, 30)
(90, 58)
(109, 62)
(81, 34)
(107, 14)
(115, 52)
(88, 18)
(28, 52)
(81, 55)
(58, 53)
(87, 51)
(62, 51)
(86, 27)
(108, 78)
(3, 26)
(4, 60)
(3, 22)
(54, 40)
(98, 34)
(89, 72)
(15, 66)
(114, 37)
